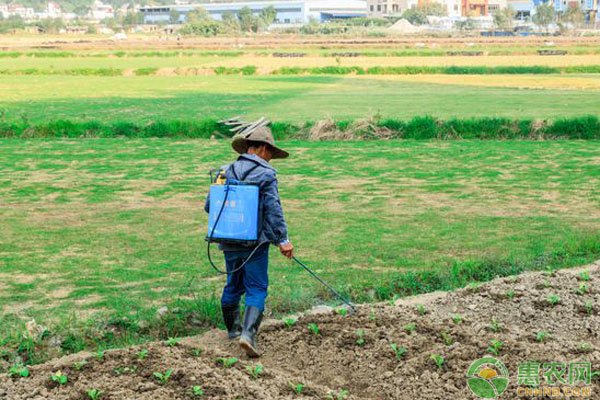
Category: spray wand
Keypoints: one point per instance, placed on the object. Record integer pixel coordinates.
(352, 306)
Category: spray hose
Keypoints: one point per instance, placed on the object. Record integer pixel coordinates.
(210, 237)
(352, 306)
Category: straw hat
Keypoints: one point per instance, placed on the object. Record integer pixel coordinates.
(259, 134)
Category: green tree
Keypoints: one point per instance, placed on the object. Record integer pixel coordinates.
(132, 19)
(248, 21)
(230, 22)
(174, 16)
(503, 19)
(268, 15)
(415, 16)
(11, 23)
(51, 25)
(466, 25)
(544, 15)
(198, 14)
(434, 9)
(418, 15)
(202, 28)
(573, 16)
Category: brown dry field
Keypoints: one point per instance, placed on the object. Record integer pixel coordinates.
(268, 63)
(273, 41)
(335, 360)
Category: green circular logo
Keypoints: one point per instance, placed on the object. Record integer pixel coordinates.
(487, 378)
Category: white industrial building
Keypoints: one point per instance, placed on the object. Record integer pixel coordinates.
(288, 12)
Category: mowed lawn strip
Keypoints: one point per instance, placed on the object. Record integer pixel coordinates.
(116, 227)
(281, 98)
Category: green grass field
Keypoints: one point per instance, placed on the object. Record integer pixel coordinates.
(115, 227)
(286, 98)
(97, 234)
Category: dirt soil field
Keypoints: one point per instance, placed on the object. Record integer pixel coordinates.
(512, 310)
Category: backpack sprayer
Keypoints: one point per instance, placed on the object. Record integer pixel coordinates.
(237, 202)
(234, 218)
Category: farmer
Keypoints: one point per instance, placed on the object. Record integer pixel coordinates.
(256, 149)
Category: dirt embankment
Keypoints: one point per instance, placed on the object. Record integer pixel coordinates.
(538, 317)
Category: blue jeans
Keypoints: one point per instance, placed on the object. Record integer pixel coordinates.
(252, 279)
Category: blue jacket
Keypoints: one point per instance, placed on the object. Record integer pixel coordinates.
(272, 228)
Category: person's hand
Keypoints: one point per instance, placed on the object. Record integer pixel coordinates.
(287, 249)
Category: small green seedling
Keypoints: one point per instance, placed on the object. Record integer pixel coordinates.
(474, 286)
(553, 300)
(19, 371)
(421, 309)
(510, 294)
(360, 334)
(372, 316)
(254, 370)
(410, 328)
(197, 351)
(99, 354)
(80, 364)
(399, 351)
(172, 342)
(297, 387)
(496, 346)
(142, 354)
(541, 336)
(457, 318)
(164, 378)
(227, 362)
(341, 395)
(289, 322)
(94, 394)
(342, 311)
(124, 370)
(59, 378)
(582, 289)
(314, 329)
(446, 338)
(393, 300)
(197, 390)
(495, 325)
(585, 348)
(550, 271)
(438, 360)
(585, 276)
(546, 283)
(589, 307)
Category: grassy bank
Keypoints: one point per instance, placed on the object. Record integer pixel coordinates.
(100, 234)
(325, 70)
(419, 128)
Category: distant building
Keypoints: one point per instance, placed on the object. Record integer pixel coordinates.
(496, 5)
(20, 10)
(389, 8)
(53, 10)
(523, 8)
(100, 11)
(474, 8)
(288, 12)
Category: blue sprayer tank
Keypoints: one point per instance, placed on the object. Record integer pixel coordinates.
(238, 220)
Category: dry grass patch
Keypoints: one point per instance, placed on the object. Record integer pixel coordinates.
(268, 64)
